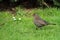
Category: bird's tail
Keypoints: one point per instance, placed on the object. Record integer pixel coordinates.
(51, 24)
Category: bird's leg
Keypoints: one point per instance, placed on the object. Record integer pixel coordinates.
(38, 28)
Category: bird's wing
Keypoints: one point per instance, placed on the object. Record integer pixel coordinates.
(42, 22)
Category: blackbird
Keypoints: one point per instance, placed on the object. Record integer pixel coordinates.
(39, 22)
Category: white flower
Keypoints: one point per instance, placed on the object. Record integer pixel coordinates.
(14, 18)
(19, 18)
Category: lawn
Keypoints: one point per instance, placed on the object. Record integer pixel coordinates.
(25, 29)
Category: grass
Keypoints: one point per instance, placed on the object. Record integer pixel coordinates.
(25, 28)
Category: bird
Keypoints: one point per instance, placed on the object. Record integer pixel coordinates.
(39, 22)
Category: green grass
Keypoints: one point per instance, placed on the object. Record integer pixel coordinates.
(25, 28)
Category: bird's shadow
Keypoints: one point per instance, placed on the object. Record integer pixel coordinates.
(48, 27)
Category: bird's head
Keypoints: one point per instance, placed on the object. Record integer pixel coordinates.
(34, 14)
